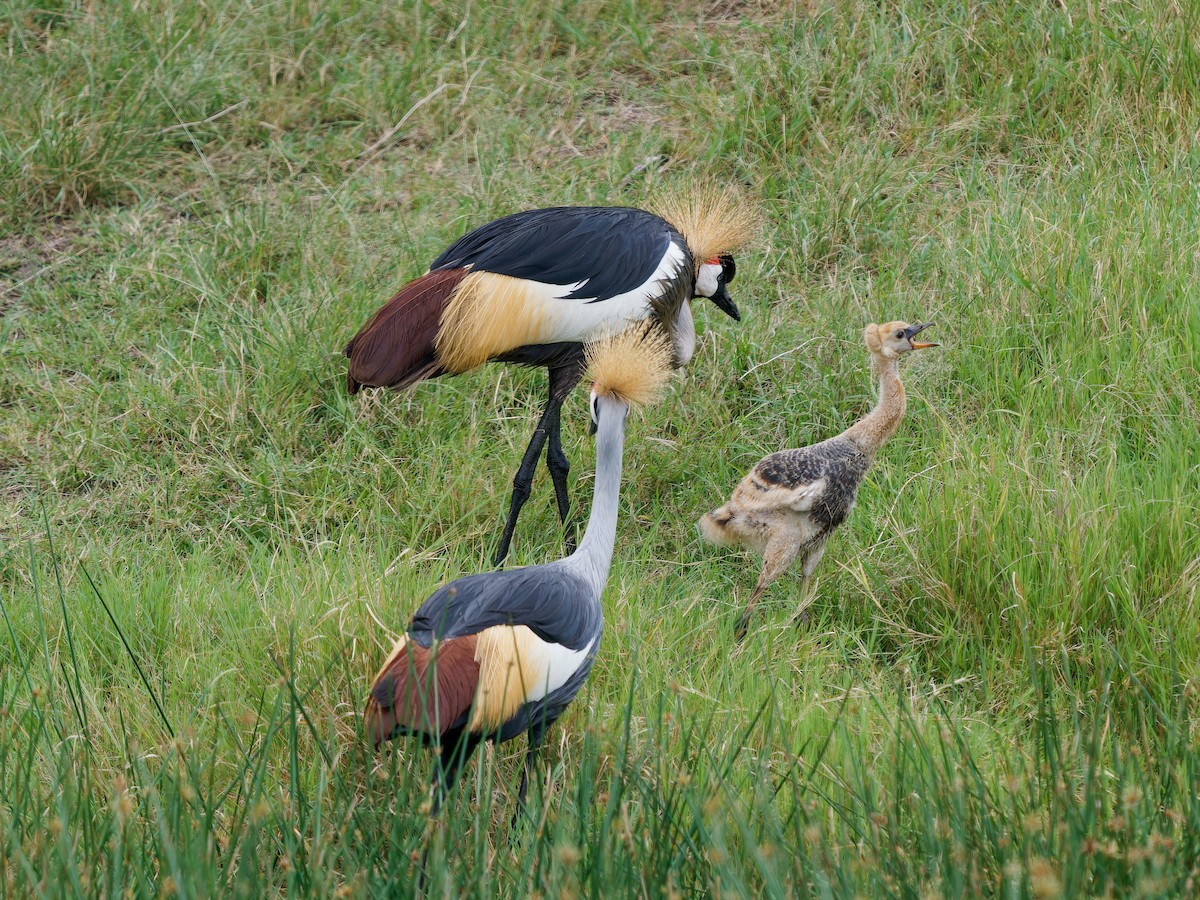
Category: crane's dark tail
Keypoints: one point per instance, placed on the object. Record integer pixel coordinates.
(395, 348)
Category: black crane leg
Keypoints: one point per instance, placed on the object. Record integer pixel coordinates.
(560, 466)
(535, 741)
(562, 381)
(522, 484)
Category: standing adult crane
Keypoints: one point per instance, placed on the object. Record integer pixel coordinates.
(493, 655)
(534, 287)
(791, 502)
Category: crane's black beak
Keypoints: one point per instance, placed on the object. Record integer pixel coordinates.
(912, 331)
(725, 303)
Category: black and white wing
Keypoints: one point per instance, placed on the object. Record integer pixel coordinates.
(494, 653)
(561, 275)
(545, 599)
(533, 642)
(540, 278)
(598, 252)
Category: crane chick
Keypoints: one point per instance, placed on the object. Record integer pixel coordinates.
(498, 654)
(792, 501)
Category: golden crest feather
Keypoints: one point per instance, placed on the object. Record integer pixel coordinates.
(634, 365)
(712, 220)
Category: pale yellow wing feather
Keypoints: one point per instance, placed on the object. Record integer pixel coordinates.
(756, 494)
(509, 668)
(490, 314)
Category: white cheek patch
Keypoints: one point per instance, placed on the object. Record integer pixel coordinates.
(707, 280)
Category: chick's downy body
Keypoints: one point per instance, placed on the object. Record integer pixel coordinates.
(792, 501)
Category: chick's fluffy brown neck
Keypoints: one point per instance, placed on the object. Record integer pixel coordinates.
(873, 430)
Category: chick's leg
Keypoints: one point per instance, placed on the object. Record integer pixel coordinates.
(779, 554)
(811, 558)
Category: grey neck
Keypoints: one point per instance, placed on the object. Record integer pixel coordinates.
(594, 556)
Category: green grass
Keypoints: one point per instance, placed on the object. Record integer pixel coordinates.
(201, 202)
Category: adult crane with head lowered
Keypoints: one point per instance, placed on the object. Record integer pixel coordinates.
(534, 287)
(791, 502)
(493, 655)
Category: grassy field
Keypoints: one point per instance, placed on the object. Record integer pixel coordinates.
(206, 546)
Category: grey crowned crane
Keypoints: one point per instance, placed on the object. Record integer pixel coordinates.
(493, 655)
(791, 502)
(534, 287)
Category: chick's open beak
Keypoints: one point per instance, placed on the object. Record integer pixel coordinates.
(913, 331)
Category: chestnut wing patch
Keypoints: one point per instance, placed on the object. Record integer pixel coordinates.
(423, 690)
(395, 348)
